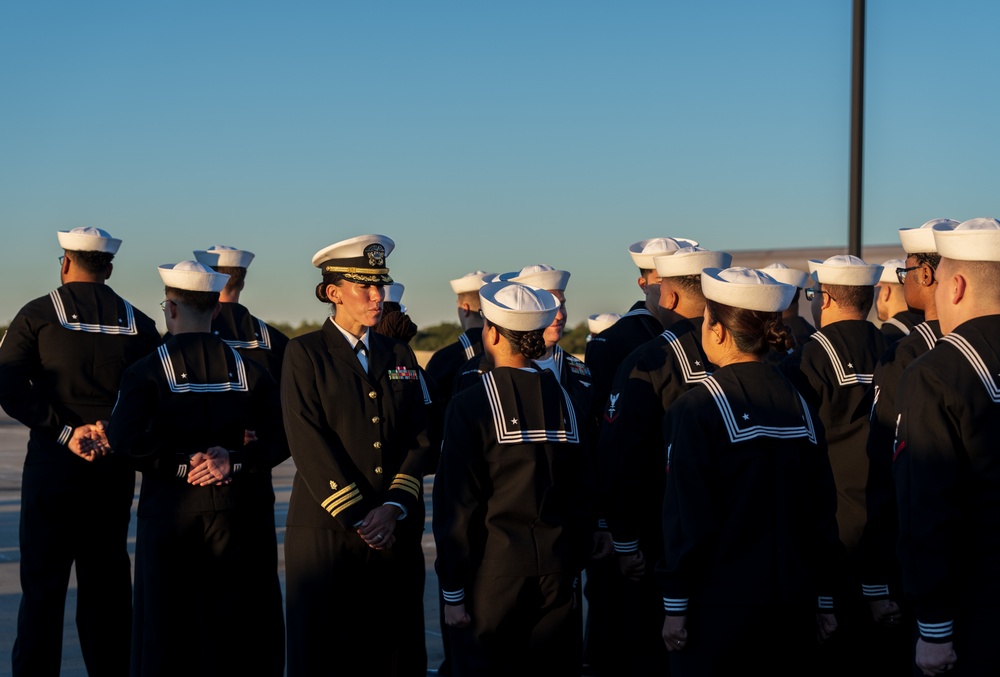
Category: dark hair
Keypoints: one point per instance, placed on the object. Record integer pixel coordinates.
(531, 344)
(237, 276)
(691, 284)
(932, 259)
(395, 323)
(328, 278)
(754, 331)
(859, 298)
(92, 262)
(199, 301)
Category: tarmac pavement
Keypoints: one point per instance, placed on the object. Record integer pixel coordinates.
(13, 441)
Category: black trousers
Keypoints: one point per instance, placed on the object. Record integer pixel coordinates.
(518, 625)
(207, 597)
(352, 610)
(82, 520)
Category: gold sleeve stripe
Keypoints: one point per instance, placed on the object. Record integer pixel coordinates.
(336, 497)
(344, 503)
(408, 484)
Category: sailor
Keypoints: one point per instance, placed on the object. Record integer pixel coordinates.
(946, 471)
(648, 381)
(801, 329)
(603, 355)
(206, 578)
(881, 584)
(749, 527)
(252, 337)
(833, 373)
(897, 318)
(354, 403)
(599, 322)
(444, 365)
(60, 364)
(640, 324)
(511, 502)
(571, 372)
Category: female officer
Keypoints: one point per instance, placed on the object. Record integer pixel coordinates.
(353, 403)
(750, 534)
(511, 502)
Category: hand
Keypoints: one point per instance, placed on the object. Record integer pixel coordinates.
(632, 565)
(455, 616)
(885, 611)
(378, 526)
(935, 659)
(89, 441)
(210, 467)
(604, 545)
(826, 625)
(675, 632)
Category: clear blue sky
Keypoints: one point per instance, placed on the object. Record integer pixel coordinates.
(477, 135)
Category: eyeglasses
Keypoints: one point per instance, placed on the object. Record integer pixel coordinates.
(164, 302)
(60, 259)
(901, 272)
(811, 294)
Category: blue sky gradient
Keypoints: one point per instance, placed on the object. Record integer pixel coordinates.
(477, 135)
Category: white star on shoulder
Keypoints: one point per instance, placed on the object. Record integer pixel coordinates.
(513, 421)
(746, 417)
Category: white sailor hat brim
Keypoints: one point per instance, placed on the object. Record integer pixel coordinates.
(542, 276)
(921, 240)
(222, 256)
(846, 270)
(88, 239)
(518, 307)
(690, 261)
(470, 282)
(889, 271)
(394, 293)
(746, 288)
(359, 259)
(192, 276)
(643, 251)
(793, 276)
(598, 323)
(973, 240)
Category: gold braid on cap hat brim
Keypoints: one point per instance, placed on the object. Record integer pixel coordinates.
(361, 275)
(355, 271)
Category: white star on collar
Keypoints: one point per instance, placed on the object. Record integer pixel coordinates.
(697, 363)
(75, 316)
(746, 417)
(230, 374)
(850, 366)
(513, 421)
(184, 375)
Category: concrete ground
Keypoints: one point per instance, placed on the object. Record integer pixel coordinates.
(13, 440)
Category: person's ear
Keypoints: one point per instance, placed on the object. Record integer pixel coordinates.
(333, 294)
(670, 301)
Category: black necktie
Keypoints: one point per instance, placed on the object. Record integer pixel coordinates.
(359, 347)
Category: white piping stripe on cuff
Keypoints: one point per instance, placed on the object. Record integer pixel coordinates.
(64, 436)
(182, 470)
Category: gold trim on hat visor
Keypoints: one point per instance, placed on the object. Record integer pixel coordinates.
(355, 271)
